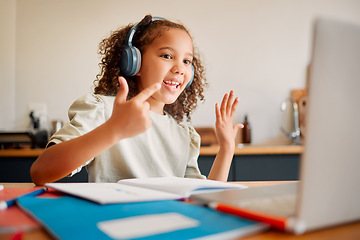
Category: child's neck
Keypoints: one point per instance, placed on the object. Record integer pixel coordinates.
(157, 108)
(157, 111)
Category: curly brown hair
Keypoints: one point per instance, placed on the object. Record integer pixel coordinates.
(110, 48)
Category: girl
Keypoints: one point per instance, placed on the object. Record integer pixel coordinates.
(134, 127)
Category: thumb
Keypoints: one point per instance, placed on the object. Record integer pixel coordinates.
(123, 90)
(238, 126)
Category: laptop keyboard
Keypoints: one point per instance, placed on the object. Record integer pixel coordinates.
(283, 205)
(277, 199)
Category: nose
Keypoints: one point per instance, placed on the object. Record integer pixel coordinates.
(178, 69)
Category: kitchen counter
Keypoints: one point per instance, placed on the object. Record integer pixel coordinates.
(21, 152)
(256, 150)
(204, 151)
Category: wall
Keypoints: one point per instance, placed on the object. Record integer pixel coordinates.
(259, 48)
(7, 63)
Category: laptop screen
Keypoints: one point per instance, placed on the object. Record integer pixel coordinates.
(330, 192)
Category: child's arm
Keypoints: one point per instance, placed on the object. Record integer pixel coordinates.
(225, 134)
(61, 159)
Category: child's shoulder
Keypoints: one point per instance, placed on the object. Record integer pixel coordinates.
(195, 137)
(187, 130)
(185, 126)
(95, 99)
(91, 102)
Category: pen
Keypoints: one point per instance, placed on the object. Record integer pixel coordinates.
(273, 221)
(8, 203)
(283, 223)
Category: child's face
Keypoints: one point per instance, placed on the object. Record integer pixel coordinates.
(167, 60)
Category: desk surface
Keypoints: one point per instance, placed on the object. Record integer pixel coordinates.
(348, 231)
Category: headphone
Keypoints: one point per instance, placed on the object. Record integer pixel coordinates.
(130, 60)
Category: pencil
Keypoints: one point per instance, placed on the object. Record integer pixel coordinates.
(278, 222)
(9, 203)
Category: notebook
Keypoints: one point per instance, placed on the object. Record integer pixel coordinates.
(328, 192)
(142, 189)
(68, 217)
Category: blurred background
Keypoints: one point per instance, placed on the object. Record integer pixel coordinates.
(259, 48)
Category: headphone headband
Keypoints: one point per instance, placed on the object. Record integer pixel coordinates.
(132, 31)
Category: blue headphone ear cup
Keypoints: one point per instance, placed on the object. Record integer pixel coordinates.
(192, 77)
(137, 63)
(130, 61)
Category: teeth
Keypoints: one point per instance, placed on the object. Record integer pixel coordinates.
(172, 82)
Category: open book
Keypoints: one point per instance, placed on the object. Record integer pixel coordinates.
(142, 189)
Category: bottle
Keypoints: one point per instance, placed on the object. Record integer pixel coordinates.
(246, 131)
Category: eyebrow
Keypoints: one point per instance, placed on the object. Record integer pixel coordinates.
(173, 50)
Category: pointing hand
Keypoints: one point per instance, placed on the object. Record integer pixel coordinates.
(130, 118)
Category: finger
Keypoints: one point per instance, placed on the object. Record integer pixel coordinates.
(234, 106)
(147, 105)
(123, 90)
(230, 102)
(237, 127)
(223, 105)
(217, 112)
(147, 92)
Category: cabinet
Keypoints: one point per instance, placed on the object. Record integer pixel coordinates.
(273, 167)
(258, 163)
(250, 163)
(15, 166)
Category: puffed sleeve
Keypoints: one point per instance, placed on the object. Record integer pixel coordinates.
(85, 114)
(192, 169)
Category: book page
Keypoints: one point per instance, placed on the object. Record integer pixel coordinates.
(105, 193)
(182, 186)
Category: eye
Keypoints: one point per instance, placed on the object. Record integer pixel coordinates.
(187, 62)
(166, 56)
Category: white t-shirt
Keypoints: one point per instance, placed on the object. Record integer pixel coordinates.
(167, 148)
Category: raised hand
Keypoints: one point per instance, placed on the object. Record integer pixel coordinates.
(130, 118)
(225, 134)
(225, 130)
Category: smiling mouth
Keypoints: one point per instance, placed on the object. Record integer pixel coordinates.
(172, 84)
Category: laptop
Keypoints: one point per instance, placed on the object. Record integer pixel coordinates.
(328, 192)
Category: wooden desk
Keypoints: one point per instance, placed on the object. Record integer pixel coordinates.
(348, 231)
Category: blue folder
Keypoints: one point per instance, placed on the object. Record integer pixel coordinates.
(69, 217)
